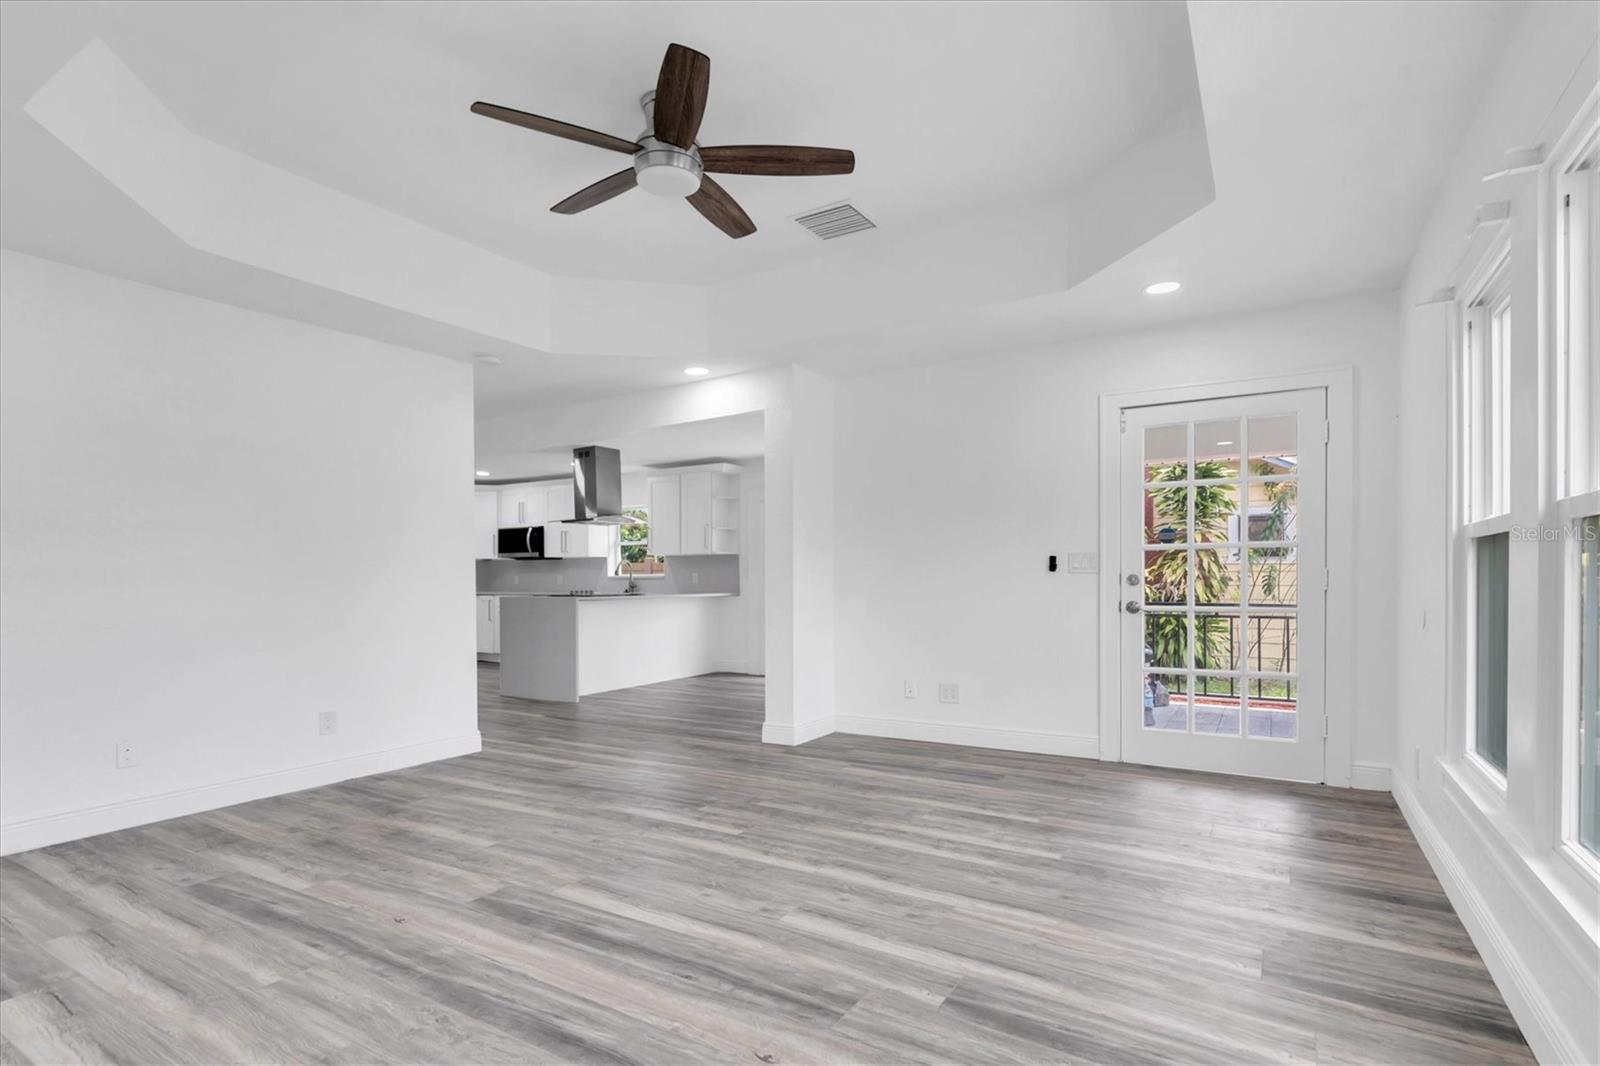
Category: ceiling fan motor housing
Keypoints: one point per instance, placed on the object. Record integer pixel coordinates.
(667, 170)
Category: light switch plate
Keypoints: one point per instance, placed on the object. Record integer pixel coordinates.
(328, 723)
(1083, 563)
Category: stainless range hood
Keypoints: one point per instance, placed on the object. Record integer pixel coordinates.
(597, 487)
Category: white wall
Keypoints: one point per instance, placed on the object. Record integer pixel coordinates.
(956, 481)
(217, 524)
(1531, 913)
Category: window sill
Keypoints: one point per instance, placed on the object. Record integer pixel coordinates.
(1568, 880)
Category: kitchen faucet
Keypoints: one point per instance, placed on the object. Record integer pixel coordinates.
(632, 587)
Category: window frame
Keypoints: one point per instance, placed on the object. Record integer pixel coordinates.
(1572, 491)
(1481, 507)
(614, 557)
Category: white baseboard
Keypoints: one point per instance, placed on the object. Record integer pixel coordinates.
(798, 733)
(1077, 745)
(1540, 1024)
(25, 834)
(1373, 776)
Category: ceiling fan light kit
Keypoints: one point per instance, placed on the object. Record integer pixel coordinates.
(667, 160)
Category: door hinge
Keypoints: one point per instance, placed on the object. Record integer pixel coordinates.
(1327, 432)
(1122, 418)
(1324, 728)
(1324, 579)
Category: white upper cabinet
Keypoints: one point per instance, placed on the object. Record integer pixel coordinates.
(524, 505)
(485, 521)
(559, 505)
(570, 540)
(666, 531)
(695, 511)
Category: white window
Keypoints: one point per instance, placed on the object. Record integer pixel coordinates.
(1575, 511)
(1577, 217)
(1486, 398)
(1484, 465)
(631, 550)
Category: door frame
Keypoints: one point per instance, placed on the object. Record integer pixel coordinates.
(1339, 658)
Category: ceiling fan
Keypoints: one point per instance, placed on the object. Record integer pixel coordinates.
(666, 159)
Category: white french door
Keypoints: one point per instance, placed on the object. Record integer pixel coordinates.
(1222, 572)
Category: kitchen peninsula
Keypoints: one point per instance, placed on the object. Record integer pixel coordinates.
(561, 647)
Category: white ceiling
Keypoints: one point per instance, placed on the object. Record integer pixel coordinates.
(1328, 126)
(734, 438)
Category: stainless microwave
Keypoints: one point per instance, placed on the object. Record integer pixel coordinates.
(520, 542)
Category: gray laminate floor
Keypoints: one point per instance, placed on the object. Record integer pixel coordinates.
(639, 879)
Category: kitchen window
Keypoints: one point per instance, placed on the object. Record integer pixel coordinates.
(633, 547)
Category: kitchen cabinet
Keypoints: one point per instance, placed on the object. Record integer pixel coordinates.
(559, 506)
(523, 505)
(488, 625)
(486, 521)
(567, 540)
(666, 515)
(695, 511)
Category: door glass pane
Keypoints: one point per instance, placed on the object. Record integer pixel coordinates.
(1589, 682)
(1274, 511)
(1216, 576)
(1216, 449)
(1166, 577)
(1274, 445)
(1166, 453)
(1489, 648)
(1216, 641)
(1217, 705)
(1274, 643)
(1216, 512)
(1272, 706)
(1166, 702)
(1274, 578)
(1166, 515)
(1166, 639)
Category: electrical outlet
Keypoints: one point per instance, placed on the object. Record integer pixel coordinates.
(125, 755)
(910, 690)
(328, 723)
(1083, 563)
(561, 579)
(516, 577)
(694, 577)
(949, 692)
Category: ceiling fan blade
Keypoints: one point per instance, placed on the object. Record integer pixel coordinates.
(681, 95)
(777, 160)
(554, 127)
(720, 209)
(598, 193)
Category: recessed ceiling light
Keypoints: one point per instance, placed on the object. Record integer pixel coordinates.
(1222, 442)
(1161, 288)
(483, 473)
(696, 371)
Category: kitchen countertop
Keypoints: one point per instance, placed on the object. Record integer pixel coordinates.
(613, 595)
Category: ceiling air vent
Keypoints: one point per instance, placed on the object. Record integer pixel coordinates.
(836, 220)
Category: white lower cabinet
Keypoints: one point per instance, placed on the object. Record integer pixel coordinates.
(488, 625)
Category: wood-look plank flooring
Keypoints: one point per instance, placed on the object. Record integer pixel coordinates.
(638, 879)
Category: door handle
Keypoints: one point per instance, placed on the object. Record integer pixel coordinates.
(1133, 607)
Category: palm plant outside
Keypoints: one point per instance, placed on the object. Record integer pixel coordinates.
(1167, 577)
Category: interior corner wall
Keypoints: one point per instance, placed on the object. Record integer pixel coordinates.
(216, 525)
(957, 480)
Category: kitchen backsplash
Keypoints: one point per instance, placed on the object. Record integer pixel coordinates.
(685, 573)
